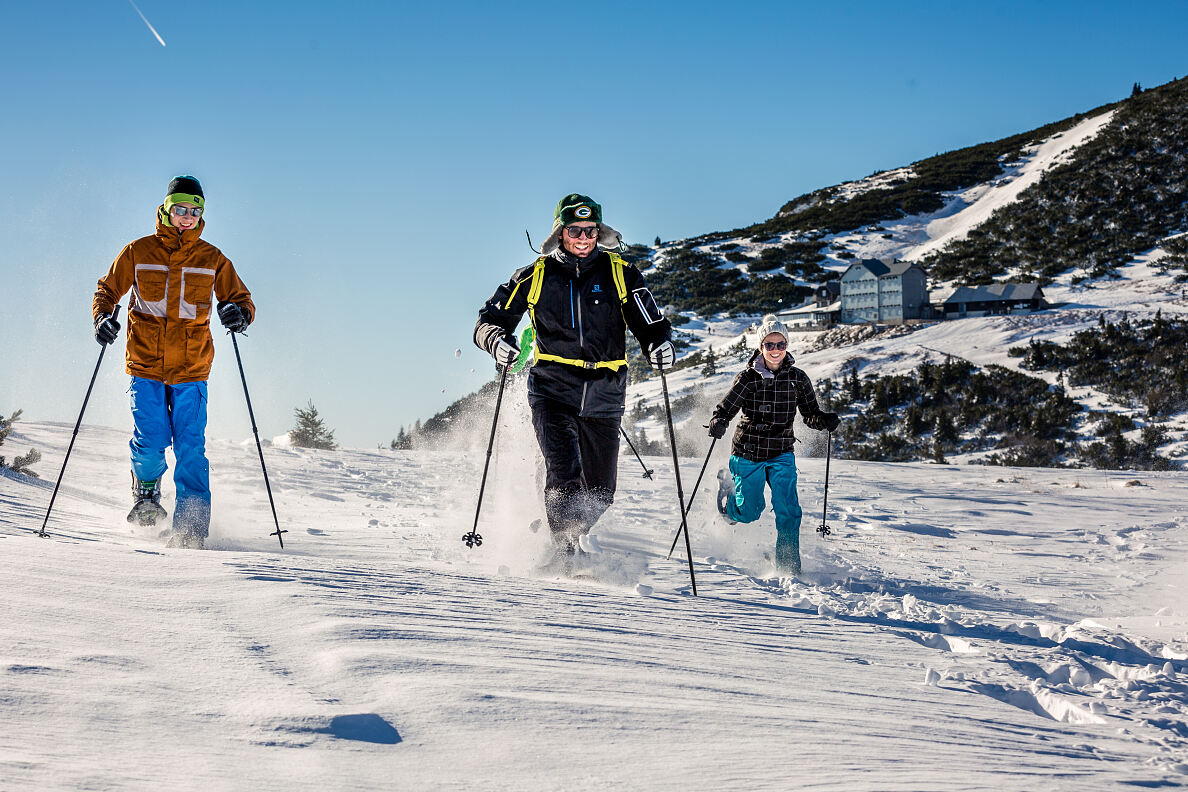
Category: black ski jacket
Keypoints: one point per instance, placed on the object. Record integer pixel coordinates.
(768, 404)
(578, 316)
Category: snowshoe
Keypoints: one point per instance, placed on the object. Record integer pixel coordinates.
(569, 560)
(186, 541)
(725, 489)
(147, 509)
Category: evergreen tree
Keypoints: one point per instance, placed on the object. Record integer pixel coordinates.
(938, 453)
(311, 430)
(657, 242)
(20, 464)
(1136, 90)
(944, 432)
(854, 386)
(711, 364)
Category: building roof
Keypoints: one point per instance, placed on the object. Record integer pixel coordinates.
(900, 267)
(996, 292)
(878, 268)
(808, 309)
(873, 266)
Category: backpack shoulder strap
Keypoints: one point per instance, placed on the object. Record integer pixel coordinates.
(617, 266)
(537, 281)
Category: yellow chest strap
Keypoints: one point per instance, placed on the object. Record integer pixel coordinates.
(538, 270)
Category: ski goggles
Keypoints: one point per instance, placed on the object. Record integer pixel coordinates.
(771, 346)
(182, 211)
(577, 232)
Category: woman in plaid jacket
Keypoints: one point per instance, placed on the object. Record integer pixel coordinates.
(768, 392)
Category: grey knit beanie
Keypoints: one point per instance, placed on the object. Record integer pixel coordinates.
(769, 325)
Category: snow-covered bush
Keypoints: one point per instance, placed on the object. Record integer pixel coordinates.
(20, 464)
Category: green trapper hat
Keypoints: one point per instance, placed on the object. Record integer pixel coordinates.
(575, 208)
(184, 189)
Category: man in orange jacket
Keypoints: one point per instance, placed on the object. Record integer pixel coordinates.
(172, 275)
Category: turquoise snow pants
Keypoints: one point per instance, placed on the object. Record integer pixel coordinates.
(747, 504)
(165, 415)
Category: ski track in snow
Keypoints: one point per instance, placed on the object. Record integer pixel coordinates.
(1023, 627)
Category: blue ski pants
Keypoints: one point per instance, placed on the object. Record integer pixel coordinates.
(165, 415)
(747, 502)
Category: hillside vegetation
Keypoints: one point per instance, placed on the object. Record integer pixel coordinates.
(1122, 193)
(958, 408)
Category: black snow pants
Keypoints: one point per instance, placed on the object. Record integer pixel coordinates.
(581, 465)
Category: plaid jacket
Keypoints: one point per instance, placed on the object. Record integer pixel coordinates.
(768, 406)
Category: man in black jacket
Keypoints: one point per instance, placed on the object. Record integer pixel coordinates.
(580, 299)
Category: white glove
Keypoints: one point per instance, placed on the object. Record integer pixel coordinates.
(663, 355)
(505, 352)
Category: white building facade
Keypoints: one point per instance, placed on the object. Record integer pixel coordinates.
(872, 291)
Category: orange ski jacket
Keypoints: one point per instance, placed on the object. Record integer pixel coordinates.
(172, 275)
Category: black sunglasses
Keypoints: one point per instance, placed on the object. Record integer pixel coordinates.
(577, 232)
(771, 345)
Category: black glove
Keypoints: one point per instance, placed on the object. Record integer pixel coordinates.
(232, 317)
(823, 422)
(106, 329)
(717, 428)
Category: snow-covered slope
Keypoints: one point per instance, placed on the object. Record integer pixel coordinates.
(915, 236)
(1140, 290)
(963, 628)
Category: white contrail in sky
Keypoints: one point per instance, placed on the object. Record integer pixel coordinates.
(150, 24)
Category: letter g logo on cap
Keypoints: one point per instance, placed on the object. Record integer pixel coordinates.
(583, 212)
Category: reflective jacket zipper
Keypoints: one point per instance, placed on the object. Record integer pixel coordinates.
(581, 344)
(581, 335)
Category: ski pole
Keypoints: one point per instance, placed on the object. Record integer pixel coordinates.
(647, 473)
(103, 348)
(676, 470)
(251, 414)
(823, 529)
(473, 538)
(693, 494)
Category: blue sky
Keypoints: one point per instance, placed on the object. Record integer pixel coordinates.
(371, 167)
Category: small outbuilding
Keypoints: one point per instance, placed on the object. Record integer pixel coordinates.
(994, 299)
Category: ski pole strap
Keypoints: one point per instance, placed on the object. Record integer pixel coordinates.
(538, 271)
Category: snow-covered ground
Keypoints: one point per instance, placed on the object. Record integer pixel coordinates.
(962, 628)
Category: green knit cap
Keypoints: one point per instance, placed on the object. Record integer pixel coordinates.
(184, 189)
(575, 208)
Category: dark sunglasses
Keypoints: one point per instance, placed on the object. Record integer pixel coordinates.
(772, 345)
(182, 211)
(577, 232)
